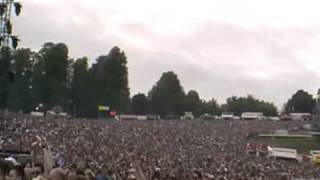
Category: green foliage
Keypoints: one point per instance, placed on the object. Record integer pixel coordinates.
(51, 78)
(5, 57)
(82, 94)
(139, 104)
(20, 94)
(50, 75)
(194, 104)
(110, 80)
(238, 105)
(211, 107)
(316, 115)
(300, 102)
(78, 89)
(167, 95)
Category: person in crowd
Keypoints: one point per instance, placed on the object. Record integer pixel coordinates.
(38, 172)
(28, 171)
(16, 173)
(57, 174)
(4, 169)
(141, 150)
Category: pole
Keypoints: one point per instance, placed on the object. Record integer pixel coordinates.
(6, 7)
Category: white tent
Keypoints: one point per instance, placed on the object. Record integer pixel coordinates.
(285, 153)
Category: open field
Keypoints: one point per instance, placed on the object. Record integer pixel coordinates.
(303, 145)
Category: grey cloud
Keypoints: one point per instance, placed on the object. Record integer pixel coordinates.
(39, 24)
(216, 59)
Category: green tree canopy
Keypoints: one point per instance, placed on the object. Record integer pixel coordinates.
(139, 104)
(193, 103)
(212, 107)
(110, 80)
(316, 114)
(300, 102)
(238, 105)
(50, 75)
(20, 94)
(83, 97)
(167, 95)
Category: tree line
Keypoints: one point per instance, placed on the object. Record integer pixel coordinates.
(50, 78)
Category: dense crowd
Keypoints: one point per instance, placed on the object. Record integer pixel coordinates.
(152, 149)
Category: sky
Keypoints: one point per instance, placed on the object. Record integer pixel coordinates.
(267, 48)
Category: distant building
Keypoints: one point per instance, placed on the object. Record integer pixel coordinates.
(301, 116)
(274, 118)
(227, 116)
(285, 117)
(282, 153)
(153, 117)
(296, 117)
(252, 116)
(208, 117)
(127, 117)
(188, 116)
(236, 117)
(37, 114)
(281, 132)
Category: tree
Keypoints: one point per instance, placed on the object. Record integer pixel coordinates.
(5, 61)
(238, 105)
(193, 103)
(139, 104)
(82, 95)
(50, 75)
(212, 107)
(268, 109)
(316, 114)
(167, 95)
(20, 94)
(235, 105)
(110, 80)
(300, 102)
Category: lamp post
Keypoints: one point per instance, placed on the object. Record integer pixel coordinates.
(7, 41)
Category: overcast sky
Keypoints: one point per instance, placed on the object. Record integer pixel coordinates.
(267, 48)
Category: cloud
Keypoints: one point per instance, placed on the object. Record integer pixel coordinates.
(219, 48)
(220, 60)
(82, 29)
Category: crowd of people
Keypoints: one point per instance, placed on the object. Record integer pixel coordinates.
(161, 149)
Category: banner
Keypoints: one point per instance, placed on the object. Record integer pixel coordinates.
(103, 108)
(316, 158)
(282, 153)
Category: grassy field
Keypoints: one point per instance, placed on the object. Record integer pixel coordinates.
(303, 145)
